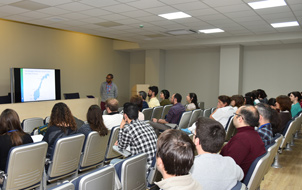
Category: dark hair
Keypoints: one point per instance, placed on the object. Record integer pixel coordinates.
(296, 94)
(261, 93)
(112, 104)
(111, 75)
(249, 98)
(225, 99)
(131, 110)
(135, 99)
(250, 115)
(284, 102)
(264, 110)
(9, 121)
(177, 97)
(239, 100)
(176, 150)
(272, 102)
(211, 134)
(193, 98)
(256, 94)
(143, 94)
(166, 94)
(154, 89)
(62, 117)
(275, 120)
(95, 120)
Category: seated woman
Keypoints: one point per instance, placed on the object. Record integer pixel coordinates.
(295, 98)
(237, 101)
(95, 122)
(135, 99)
(192, 102)
(164, 95)
(143, 95)
(283, 104)
(11, 134)
(272, 103)
(61, 124)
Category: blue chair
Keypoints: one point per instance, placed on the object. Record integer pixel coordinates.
(256, 172)
(239, 186)
(110, 153)
(25, 166)
(102, 179)
(132, 172)
(153, 175)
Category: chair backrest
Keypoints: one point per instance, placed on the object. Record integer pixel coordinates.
(102, 179)
(166, 110)
(230, 129)
(75, 95)
(46, 120)
(194, 116)
(153, 174)
(147, 113)
(256, 171)
(132, 172)
(110, 153)
(25, 166)
(94, 151)
(201, 105)
(65, 157)
(31, 123)
(207, 112)
(184, 120)
(63, 186)
(239, 186)
(288, 133)
(157, 112)
(105, 112)
(213, 109)
(273, 150)
(120, 109)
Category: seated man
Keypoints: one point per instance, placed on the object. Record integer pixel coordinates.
(210, 169)
(224, 111)
(152, 93)
(139, 136)
(173, 115)
(174, 159)
(265, 128)
(246, 145)
(114, 118)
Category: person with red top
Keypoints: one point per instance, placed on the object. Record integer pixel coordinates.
(246, 145)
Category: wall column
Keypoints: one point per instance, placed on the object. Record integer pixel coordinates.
(230, 77)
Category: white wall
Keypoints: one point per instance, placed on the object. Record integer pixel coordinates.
(277, 69)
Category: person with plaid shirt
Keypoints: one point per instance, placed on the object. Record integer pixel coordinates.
(139, 136)
(265, 128)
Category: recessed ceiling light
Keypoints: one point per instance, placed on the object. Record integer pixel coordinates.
(214, 30)
(285, 24)
(267, 4)
(176, 15)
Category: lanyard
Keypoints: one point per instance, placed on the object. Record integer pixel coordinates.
(12, 130)
(263, 125)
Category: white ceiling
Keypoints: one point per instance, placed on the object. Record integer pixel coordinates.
(121, 19)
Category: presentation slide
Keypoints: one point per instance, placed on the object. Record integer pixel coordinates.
(37, 84)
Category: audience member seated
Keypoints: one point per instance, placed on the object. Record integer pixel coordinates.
(224, 111)
(237, 101)
(61, 124)
(164, 95)
(272, 103)
(256, 95)
(95, 122)
(262, 96)
(143, 95)
(174, 159)
(249, 98)
(210, 169)
(173, 115)
(283, 104)
(153, 101)
(246, 145)
(139, 136)
(192, 101)
(295, 98)
(114, 118)
(135, 99)
(265, 128)
(11, 134)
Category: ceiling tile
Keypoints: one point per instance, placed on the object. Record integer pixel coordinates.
(162, 10)
(233, 8)
(100, 3)
(190, 6)
(96, 12)
(145, 4)
(74, 16)
(34, 14)
(75, 6)
(29, 5)
(119, 8)
(53, 11)
(53, 2)
(219, 3)
(12, 10)
(136, 14)
(113, 17)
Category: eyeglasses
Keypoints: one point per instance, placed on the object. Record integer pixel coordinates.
(108, 78)
(239, 115)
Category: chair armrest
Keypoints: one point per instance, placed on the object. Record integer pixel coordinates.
(123, 152)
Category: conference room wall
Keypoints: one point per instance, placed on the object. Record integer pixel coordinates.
(274, 68)
(84, 60)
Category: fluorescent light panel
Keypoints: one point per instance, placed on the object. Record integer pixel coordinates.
(214, 30)
(285, 24)
(267, 4)
(176, 15)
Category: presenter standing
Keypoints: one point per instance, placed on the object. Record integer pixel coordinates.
(108, 90)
